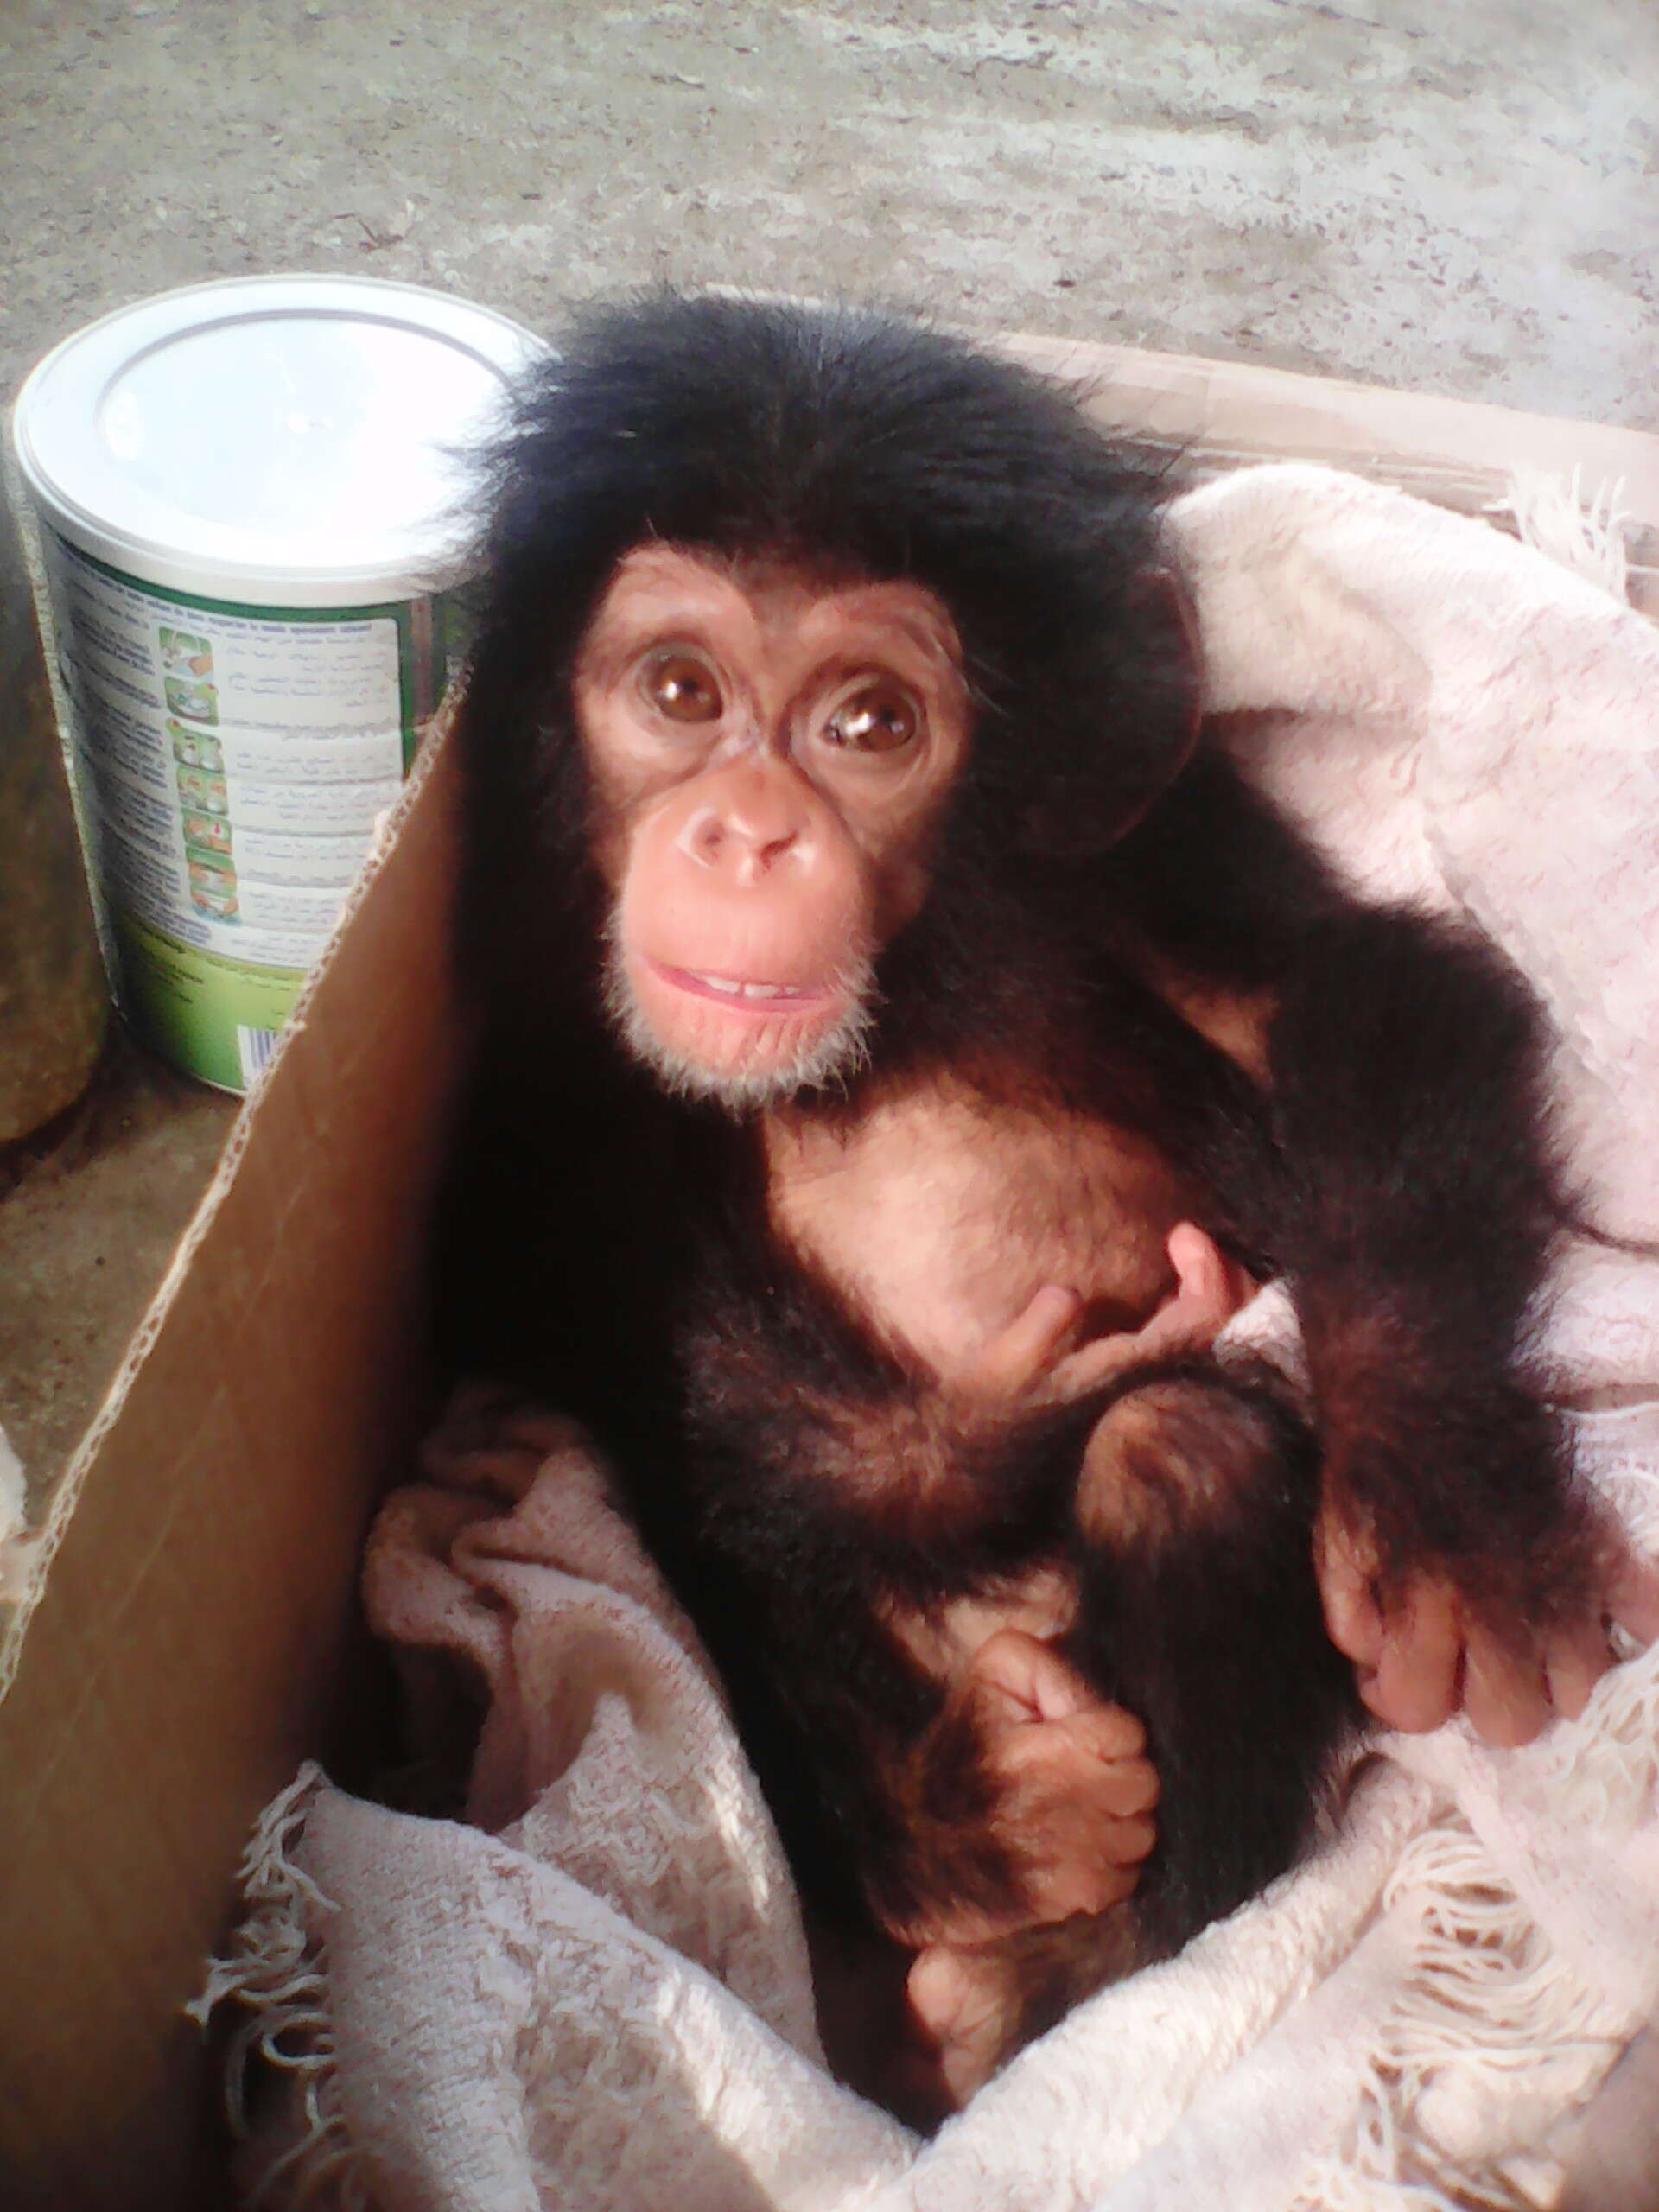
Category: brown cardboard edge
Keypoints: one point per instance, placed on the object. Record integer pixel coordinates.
(182, 1656)
(1459, 453)
(66, 1497)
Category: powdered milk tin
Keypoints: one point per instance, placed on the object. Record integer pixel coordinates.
(249, 494)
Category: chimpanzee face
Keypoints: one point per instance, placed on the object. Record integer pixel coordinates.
(770, 756)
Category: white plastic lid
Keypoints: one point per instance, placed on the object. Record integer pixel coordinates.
(289, 440)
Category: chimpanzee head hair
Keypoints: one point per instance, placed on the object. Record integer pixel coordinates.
(851, 443)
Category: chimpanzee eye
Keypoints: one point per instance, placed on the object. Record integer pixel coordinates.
(878, 718)
(682, 688)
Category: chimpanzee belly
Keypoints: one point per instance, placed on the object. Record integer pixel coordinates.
(941, 1214)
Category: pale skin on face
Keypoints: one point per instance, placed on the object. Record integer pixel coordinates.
(692, 668)
(770, 754)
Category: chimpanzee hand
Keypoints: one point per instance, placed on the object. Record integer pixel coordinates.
(1036, 1360)
(965, 2002)
(975, 2004)
(1071, 1791)
(1422, 1654)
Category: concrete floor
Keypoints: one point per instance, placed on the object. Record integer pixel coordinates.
(1461, 198)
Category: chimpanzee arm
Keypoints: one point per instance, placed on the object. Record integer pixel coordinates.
(1420, 1201)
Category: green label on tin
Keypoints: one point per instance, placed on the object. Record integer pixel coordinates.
(231, 762)
(218, 1017)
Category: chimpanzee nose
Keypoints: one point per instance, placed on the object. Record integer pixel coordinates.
(748, 821)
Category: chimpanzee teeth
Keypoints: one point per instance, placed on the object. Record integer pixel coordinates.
(730, 990)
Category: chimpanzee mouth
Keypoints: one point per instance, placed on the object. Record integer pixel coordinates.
(818, 1037)
(753, 997)
(730, 988)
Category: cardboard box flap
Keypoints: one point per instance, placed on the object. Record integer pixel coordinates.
(181, 1658)
(1457, 452)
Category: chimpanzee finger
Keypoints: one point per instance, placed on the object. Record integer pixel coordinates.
(1414, 1684)
(1345, 1570)
(1090, 1876)
(1505, 1693)
(1012, 1363)
(966, 2009)
(1207, 1280)
(1575, 1658)
(1081, 1373)
(1030, 1679)
(1026, 1677)
(1633, 1599)
(1124, 1780)
(1076, 1751)
(1209, 1291)
(1131, 1841)
(1121, 1778)
(1127, 1789)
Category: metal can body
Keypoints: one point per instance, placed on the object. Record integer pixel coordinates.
(247, 496)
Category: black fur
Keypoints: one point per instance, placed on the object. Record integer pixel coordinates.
(609, 1249)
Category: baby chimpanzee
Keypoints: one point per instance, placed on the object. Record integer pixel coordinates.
(877, 963)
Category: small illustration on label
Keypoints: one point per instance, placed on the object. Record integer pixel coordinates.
(186, 667)
(194, 749)
(212, 887)
(207, 834)
(208, 792)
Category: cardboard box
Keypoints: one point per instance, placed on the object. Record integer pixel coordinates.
(193, 1640)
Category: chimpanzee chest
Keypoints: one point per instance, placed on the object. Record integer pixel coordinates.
(940, 1215)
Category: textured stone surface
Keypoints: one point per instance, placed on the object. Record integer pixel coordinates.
(1462, 199)
(51, 992)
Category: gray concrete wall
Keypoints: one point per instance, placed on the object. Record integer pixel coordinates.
(1460, 195)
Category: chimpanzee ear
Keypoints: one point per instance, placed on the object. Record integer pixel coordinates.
(1124, 756)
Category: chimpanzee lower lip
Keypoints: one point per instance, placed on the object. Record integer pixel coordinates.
(738, 992)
